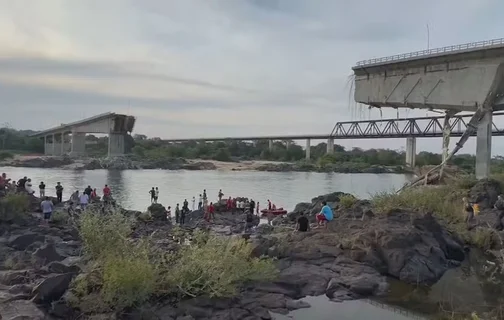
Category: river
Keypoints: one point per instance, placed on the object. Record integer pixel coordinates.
(131, 187)
(285, 189)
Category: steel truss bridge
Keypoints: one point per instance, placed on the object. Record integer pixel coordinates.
(422, 127)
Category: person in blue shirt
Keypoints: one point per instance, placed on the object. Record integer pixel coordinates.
(325, 215)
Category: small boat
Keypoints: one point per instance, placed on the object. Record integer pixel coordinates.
(275, 212)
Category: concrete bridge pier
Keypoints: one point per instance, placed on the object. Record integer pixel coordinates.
(410, 152)
(78, 144)
(270, 145)
(116, 144)
(308, 149)
(287, 144)
(330, 146)
(484, 147)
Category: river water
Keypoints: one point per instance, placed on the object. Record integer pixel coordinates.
(130, 188)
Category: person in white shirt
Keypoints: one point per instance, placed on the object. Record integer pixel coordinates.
(168, 213)
(47, 209)
(156, 195)
(84, 200)
(193, 203)
(28, 187)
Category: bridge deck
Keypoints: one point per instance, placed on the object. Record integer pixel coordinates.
(68, 126)
(423, 127)
(436, 52)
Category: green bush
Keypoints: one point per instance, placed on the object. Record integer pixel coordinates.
(127, 272)
(4, 155)
(217, 267)
(14, 205)
(347, 201)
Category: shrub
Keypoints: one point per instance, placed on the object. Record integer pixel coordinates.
(14, 205)
(4, 155)
(217, 267)
(443, 201)
(127, 272)
(347, 201)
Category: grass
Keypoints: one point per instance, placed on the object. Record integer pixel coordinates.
(13, 206)
(125, 273)
(347, 201)
(445, 202)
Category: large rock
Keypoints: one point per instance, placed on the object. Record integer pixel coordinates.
(47, 254)
(485, 193)
(52, 288)
(158, 212)
(20, 310)
(23, 241)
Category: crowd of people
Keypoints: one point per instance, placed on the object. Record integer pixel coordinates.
(234, 205)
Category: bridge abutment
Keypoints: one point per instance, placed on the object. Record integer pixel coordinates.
(330, 146)
(484, 146)
(308, 149)
(410, 152)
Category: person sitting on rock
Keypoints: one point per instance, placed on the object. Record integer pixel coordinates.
(177, 213)
(325, 215)
(302, 224)
(499, 205)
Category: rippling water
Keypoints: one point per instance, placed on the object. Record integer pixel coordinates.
(285, 189)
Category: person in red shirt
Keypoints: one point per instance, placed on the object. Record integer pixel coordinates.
(93, 194)
(211, 211)
(106, 192)
(229, 204)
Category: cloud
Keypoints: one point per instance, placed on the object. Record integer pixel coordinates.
(227, 67)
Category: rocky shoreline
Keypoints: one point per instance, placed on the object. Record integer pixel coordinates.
(126, 163)
(352, 258)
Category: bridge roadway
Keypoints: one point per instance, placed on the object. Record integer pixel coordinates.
(409, 128)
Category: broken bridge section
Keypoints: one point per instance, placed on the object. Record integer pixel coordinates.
(71, 138)
(467, 77)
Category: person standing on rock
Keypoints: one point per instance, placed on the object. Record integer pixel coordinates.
(499, 205)
(257, 208)
(84, 200)
(469, 211)
(106, 193)
(204, 195)
(177, 213)
(47, 209)
(229, 204)
(168, 213)
(59, 192)
(186, 205)
(183, 215)
(152, 193)
(42, 189)
(193, 203)
(252, 205)
(325, 215)
(211, 211)
(88, 191)
(200, 203)
(28, 187)
(220, 195)
(156, 195)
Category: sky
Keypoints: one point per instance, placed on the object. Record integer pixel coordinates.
(196, 68)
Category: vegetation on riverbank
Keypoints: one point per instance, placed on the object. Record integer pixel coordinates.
(126, 272)
(342, 160)
(445, 202)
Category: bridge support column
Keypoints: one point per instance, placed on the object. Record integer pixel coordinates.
(410, 152)
(270, 145)
(287, 144)
(330, 145)
(484, 146)
(78, 144)
(308, 149)
(116, 144)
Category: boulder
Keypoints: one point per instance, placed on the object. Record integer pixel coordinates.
(158, 212)
(23, 241)
(52, 288)
(20, 310)
(47, 253)
(485, 193)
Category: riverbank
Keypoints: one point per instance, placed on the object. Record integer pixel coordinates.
(367, 244)
(193, 164)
